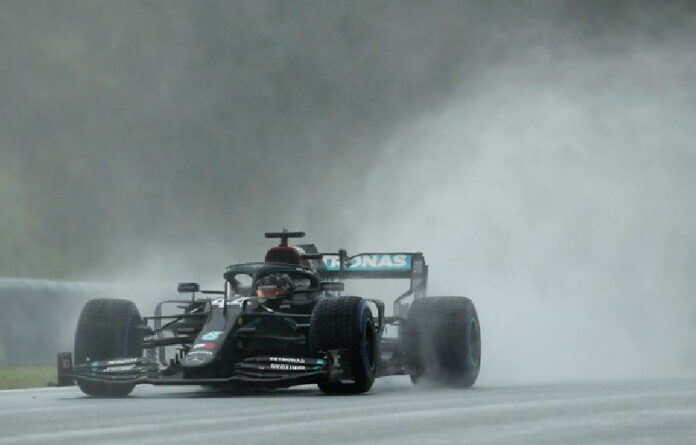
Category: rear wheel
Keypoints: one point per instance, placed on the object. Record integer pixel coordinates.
(106, 330)
(442, 340)
(346, 323)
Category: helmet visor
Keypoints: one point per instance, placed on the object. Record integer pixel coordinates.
(267, 291)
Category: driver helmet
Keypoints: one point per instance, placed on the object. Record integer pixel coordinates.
(276, 285)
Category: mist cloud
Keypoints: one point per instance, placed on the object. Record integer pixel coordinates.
(540, 154)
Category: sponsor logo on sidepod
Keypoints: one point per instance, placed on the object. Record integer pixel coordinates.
(212, 335)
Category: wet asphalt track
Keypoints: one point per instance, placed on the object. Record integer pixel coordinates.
(637, 412)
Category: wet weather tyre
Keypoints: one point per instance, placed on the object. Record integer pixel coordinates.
(346, 323)
(106, 330)
(442, 341)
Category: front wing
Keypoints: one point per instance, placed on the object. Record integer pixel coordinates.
(262, 371)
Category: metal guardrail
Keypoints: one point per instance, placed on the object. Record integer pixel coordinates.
(38, 317)
(50, 286)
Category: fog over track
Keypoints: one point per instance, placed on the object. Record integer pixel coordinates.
(540, 154)
(648, 411)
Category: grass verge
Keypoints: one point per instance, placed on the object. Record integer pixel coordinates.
(15, 377)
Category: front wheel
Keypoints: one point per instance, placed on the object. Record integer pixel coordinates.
(346, 323)
(106, 330)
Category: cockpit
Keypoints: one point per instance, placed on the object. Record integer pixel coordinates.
(244, 283)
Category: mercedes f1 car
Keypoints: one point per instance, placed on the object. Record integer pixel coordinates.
(278, 323)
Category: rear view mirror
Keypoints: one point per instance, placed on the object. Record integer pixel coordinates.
(332, 286)
(188, 288)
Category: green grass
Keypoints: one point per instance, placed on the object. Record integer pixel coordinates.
(14, 377)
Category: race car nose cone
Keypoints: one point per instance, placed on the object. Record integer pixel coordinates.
(198, 358)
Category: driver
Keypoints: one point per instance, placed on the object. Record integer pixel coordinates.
(274, 288)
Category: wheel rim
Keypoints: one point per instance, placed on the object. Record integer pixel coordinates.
(475, 342)
(370, 345)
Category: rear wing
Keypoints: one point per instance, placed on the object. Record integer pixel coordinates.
(376, 265)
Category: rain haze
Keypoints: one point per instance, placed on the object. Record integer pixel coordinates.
(540, 154)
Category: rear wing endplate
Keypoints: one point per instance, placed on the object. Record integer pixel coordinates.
(376, 265)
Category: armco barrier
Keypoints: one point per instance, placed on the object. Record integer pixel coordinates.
(38, 317)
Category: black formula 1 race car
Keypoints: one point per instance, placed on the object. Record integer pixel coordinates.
(277, 323)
